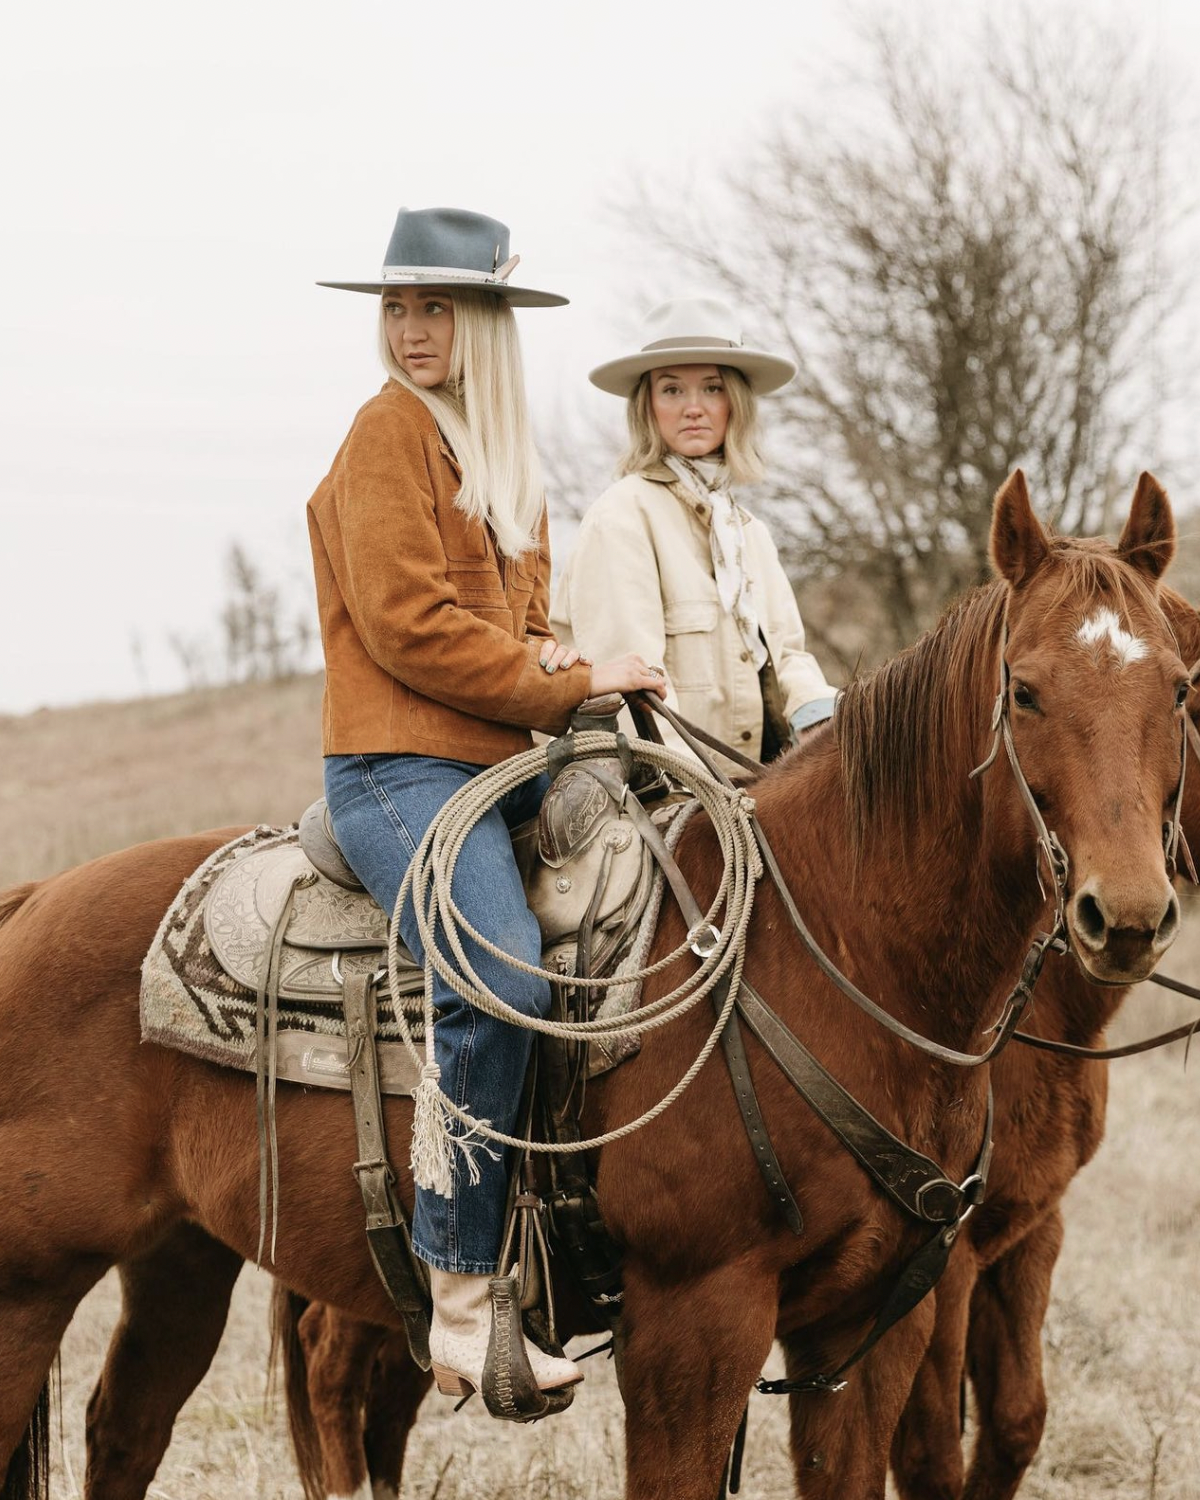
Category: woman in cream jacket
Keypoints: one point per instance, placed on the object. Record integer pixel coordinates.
(668, 563)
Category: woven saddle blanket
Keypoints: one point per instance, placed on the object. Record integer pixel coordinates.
(200, 978)
(190, 1002)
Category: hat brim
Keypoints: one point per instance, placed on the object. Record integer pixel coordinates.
(515, 296)
(764, 372)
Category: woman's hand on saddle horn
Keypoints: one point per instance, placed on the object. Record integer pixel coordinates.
(628, 674)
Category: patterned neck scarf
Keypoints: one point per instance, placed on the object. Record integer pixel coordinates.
(709, 482)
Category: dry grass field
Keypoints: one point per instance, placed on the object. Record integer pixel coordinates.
(1122, 1339)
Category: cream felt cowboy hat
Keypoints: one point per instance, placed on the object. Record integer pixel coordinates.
(450, 247)
(693, 331)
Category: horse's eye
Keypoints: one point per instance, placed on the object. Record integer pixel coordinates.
(1181, 694)
(1023, 696)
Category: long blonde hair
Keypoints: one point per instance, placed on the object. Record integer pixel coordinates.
(482, 414)
(743, 459)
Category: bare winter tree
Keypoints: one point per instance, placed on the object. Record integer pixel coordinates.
(260, 637)
(969, 276)
(261, 642)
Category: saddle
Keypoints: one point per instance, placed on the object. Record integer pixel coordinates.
(291, 919)
(584, 864)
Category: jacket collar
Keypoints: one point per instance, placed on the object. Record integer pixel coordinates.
(426, 422)
(661, 474)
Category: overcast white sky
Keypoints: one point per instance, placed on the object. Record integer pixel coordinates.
(175, 179)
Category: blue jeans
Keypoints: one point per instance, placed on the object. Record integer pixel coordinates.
(381, 807)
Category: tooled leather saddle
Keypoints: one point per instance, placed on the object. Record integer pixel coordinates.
(294, 919)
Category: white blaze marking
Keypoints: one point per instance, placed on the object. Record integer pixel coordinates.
(1104, 626)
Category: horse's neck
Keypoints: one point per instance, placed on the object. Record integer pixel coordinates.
(934, 920)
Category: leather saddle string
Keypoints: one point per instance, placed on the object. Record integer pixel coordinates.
(1014, 1005)
(266, 1032)
(632, 809)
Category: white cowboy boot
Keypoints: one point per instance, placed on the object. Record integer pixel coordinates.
(459, 1333)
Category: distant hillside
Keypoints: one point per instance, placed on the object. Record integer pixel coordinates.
(77, 782)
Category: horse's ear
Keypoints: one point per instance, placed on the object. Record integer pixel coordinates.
(1019, 545)
(1148, 541)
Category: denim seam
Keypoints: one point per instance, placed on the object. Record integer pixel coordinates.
(387, 804)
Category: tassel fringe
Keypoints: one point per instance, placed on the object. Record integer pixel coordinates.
(435, 1139)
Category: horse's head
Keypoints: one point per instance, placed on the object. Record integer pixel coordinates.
(1095, 697)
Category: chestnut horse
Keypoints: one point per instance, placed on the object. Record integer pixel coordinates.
(1049, 1123)
(108, 1146)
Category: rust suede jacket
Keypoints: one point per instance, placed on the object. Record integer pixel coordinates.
(431, 637)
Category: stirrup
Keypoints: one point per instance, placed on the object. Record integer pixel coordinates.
(509, 1390)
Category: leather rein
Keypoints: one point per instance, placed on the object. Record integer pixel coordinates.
(1049, 848)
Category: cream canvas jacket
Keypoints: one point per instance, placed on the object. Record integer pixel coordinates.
(640, 578)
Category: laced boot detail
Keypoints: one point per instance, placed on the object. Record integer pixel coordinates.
(461, 1330)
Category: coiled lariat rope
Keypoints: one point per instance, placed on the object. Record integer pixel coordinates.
(429, 879)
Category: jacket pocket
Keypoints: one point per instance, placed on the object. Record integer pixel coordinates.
(691, 654)
(525, 569)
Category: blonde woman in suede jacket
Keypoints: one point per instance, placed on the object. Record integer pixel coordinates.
(670, 563)
(432, 571)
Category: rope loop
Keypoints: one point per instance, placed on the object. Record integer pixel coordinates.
(429, 882)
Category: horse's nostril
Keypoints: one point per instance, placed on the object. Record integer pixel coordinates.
(1089, 919)
(1169, 925)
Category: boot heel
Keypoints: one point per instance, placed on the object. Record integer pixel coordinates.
(450, 1382)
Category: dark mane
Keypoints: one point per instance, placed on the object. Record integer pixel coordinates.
(907, 730)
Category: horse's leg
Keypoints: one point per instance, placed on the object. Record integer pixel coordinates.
(693, 1349)
(174, 1303)
(33, 1319)
(339, 1352)
(398, 1387)
(1004, 1355)
(840, 1439)
(927, 1458)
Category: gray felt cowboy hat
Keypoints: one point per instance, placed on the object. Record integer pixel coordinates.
(693, 331)
(450, 247)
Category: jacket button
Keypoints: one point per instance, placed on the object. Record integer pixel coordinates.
(745, 734)
(745, 656)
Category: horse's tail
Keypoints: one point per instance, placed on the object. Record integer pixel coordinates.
(10, 900)
(28, 1475)
(287, 1308)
